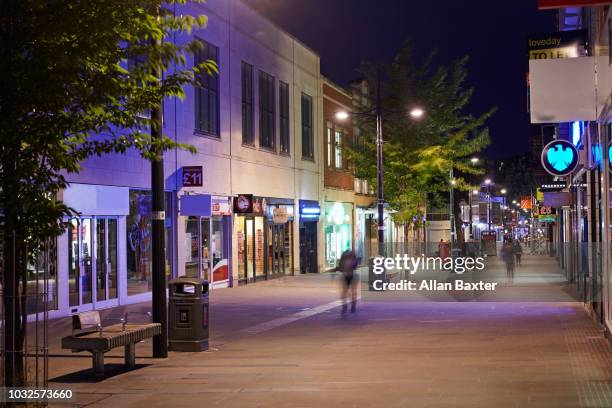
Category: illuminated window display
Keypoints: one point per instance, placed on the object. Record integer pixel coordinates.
(338, 218)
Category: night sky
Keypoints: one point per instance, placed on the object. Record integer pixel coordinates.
(493, 33)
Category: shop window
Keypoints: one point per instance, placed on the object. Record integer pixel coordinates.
(139, 253)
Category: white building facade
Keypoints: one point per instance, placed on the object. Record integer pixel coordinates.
(257, 130)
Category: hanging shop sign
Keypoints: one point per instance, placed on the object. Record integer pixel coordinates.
(561, 44)
(558, 199)
(192, 176)
(559, 158)
(309, 210)
(546, 213)
(526, 203)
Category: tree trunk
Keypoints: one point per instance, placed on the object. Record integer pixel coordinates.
(15, 313)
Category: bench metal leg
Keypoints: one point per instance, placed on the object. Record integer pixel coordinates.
(98, 363)
(130, 355)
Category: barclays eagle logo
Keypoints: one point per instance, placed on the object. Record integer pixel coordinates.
(560, 157)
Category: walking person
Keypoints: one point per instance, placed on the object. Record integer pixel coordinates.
(347, 265)
(518, 251)
(507, 253)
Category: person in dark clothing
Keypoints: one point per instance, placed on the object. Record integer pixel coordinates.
(348, 263)
(507, 253)
(518, 251)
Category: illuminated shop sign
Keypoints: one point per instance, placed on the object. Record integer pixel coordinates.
(559, 158)
(561, 44)
(309, 210)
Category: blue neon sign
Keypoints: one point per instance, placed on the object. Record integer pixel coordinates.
(577, 131)
(559, 157)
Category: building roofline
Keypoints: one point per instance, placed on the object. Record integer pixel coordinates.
(294, 38)
(336, 87)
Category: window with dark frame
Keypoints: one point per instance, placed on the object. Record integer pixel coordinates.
(247, 104)
(283, 98)
(267, 128)
(307, 136)
(207, 93)
(329, 144)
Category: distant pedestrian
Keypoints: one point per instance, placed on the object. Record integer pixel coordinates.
(443, 250)
(518, 252)
(347, 265)
(507, 253)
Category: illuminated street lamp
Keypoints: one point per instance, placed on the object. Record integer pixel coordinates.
(415, 113)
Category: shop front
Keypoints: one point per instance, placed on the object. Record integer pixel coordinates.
(207, 228)
(104, 257)
(250, 227)
(309, 213)
(279, 237)
(338, 219)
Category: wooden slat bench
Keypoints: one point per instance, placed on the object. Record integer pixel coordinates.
(88, 334)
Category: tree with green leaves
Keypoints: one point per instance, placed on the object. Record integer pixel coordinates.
(66, 94)
(418, 154)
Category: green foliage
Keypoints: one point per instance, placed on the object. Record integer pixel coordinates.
(66, 93)
(419, 153)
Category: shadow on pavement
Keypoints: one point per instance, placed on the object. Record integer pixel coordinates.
(88, 376)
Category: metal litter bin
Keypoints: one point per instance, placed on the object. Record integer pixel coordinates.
(188, 314)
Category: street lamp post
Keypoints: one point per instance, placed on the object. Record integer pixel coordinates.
(489, 206)
(452, 210)
(415, 113)
(379, 168)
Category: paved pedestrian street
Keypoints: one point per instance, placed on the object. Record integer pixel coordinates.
(285, 343)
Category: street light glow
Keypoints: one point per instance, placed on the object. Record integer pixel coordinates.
(453, 182)
(417, 113)
(503, 191)
(488, 181)
(342, 115)
(475, 192)
(474, 160)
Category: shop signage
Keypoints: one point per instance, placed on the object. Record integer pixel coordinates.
(192, 176)
(221, 206)
(551, 4)
(561, 44)
(280, 215)
(526, 202)
(559, 158)
(559, 199)
(243, 204)
(546, 214)
(195, 205)
(309, 210)
(248, 204)
(550, 187)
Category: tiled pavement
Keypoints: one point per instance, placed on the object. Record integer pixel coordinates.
(283, 343)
